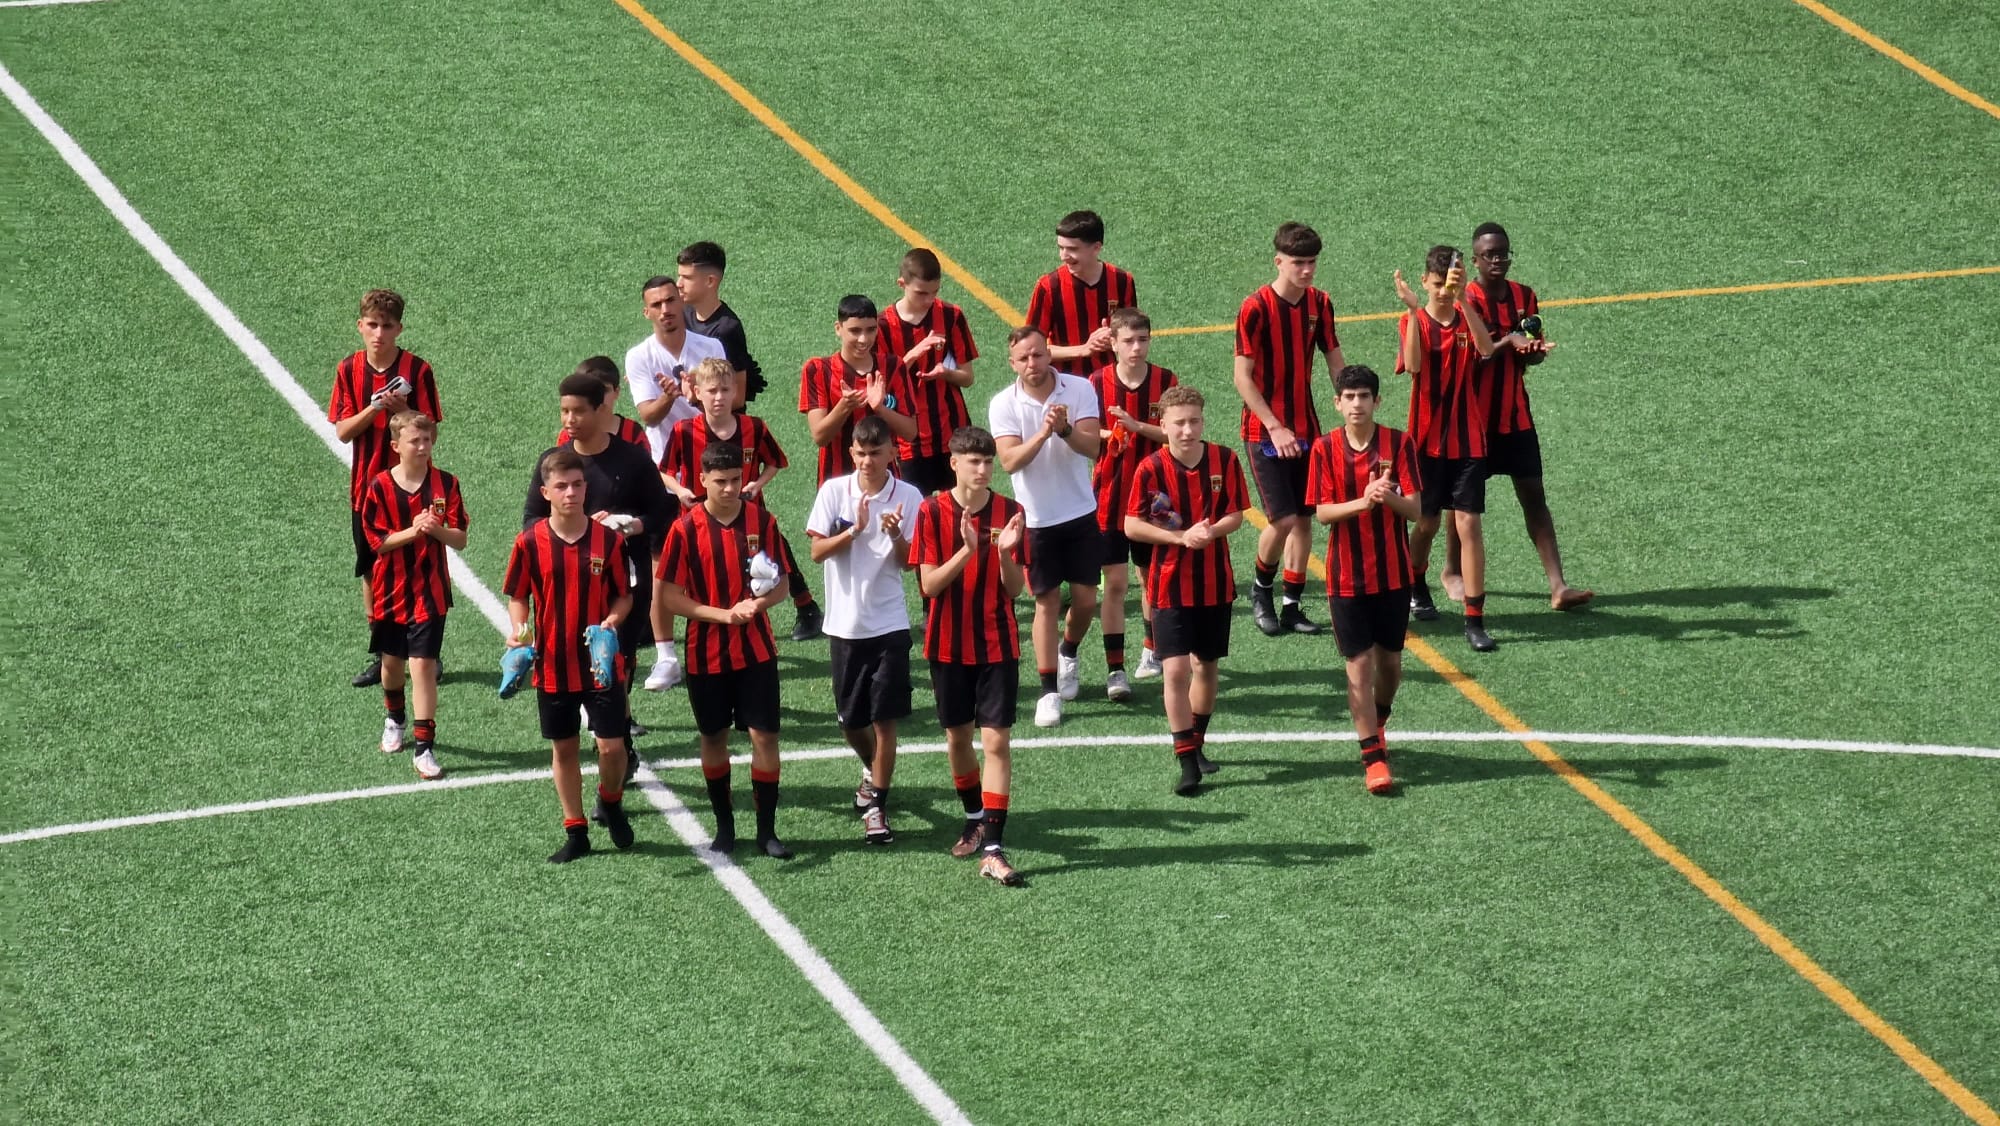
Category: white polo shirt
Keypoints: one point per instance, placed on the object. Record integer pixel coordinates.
(864, 582)
(648, 366)
(1054, 488)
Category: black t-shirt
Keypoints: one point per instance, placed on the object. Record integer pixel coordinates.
(622, 478)
(726, 327)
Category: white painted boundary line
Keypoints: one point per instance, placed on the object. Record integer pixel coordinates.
(43, 3)
(466, 781)
(816, 968)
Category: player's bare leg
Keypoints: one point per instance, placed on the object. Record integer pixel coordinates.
(1542, 530)
(965, 778)
(569, 792)
(612, 755)
(996, 784)
(1450, 576)
(1472, 562)
(877, 746)
(715, 769)
(1367, 728)
(1298, 552)
(1117, 583)
(764, 792)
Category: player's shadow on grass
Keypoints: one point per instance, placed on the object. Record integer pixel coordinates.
(1625, 615)
(1423, 766)
(1078, 838)
(1301, 693)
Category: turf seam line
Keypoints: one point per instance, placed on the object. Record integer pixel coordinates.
(1839, 994)
(816, 969)
(1666, 294)
(467, 781)
(1908, 60)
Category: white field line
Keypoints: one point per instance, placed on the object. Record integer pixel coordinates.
(43, 3)
(816, 968)
(1281, 738)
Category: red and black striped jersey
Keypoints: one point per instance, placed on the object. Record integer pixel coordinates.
(571, 586)
(1506, 389)
(710, 560)
(411, 583)
(972, 622)
(939, 406)
(1068, 311)
(1368, 553)
(627, 430)
(1173, 495)
(1447, 400)
(354, 385)
(691, 436)
(1280, 337)
(821, 382)
(1123, 450)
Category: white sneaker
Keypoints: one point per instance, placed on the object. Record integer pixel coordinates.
(392, 737)
(1048, 710)
(1068, 682)
(1117, 687)
(1149, 665)
(666, 674)
(427, 767)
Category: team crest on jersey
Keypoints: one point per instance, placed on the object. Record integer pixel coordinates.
(1157, 411)
(993, 536)
(756, 542)
(437, 507)
(1215, 481)
(1312, 323)
(597, 565)
(1383, 466)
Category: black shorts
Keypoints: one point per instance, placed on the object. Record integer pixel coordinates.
(871, 679)
(930, 473)
(1201, 632)
(606, 707)
(364, 556)
(635, 633)
(1281, 481)
(1065, 553)
(747, 698)
(406, 639)
(1366, 620)
(987, 695)
(1517, 455)
(1457, 483)
(1117, 549)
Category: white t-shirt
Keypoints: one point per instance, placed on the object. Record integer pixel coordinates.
(864, 584)
(648, 365)
(1054, 488)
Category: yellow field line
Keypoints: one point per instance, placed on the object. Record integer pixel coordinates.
(1901, 56)
(1663, 295)
(1826, 983)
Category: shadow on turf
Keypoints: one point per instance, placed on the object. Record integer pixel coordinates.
(1067, 833)
(1622, 615)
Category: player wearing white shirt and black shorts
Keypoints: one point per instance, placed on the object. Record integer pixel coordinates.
(656, 365)
(1046, 426)
(860, 526)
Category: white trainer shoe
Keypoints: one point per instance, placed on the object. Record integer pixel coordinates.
(1149, 665)
(666, 674)
(1117, 687)
(1068, 680)
(392, 737)
(427, 767)
(1048, 710)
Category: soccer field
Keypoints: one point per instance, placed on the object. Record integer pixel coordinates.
(1720, 848)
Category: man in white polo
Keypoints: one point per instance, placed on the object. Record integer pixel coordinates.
(1045, 425)
(656, 365)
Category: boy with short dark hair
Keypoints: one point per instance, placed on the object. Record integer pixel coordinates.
(971, 555)
(1045, 425)
(712, 383)
(1185, 500)
(411, 513)
(658, 365)
(1365, 481)
(617, 425)
(1513, 448)
(860, 528)
(1072, 305)
(1277, 330)
(700, 267)
(569, 571)
(369, 388)
(839, 390)
(721, 570)
(1129, 391)
(934, 343)
(1442, 341)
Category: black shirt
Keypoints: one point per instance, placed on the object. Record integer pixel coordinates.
(621, 478)
(726, 327)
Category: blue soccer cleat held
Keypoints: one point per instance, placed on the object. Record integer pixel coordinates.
(515, 665)
(603, 645)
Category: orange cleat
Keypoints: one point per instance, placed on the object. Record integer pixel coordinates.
(1377, 777)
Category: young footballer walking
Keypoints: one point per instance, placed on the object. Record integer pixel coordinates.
(1184, 501)
(860, 527)
(568, 571)
(1073, 303)
(722, 569)
(699, 270)
(933, 341)
(411, 514)
(971, 555)
(1365, 482)
(1129, 392)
